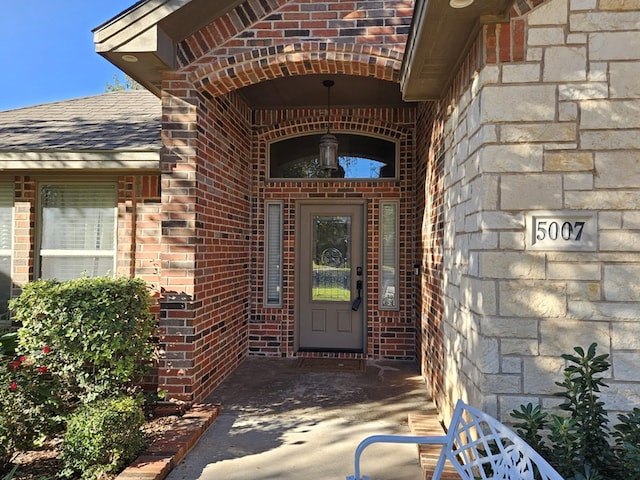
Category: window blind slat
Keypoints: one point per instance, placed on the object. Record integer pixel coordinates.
(273, 274)
(77, 222)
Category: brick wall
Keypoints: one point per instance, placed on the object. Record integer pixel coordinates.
(547, 122)
(390, 334)
(213, 184)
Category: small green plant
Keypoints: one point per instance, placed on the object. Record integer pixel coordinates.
(102, 437)
(578, 444)
(99, 331)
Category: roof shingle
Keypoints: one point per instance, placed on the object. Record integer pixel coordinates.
(122, 120)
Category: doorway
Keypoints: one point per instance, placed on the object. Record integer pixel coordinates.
(331, 277)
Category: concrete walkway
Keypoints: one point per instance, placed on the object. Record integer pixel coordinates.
(285, 423)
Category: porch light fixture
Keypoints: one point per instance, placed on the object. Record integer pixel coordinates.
(460, 3)
(328, 142)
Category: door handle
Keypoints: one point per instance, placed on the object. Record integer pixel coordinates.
(358, 301)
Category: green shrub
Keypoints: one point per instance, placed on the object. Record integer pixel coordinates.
(99, 331)
(579, 443)
(102, 437)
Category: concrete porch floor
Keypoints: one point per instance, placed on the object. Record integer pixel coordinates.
(282, 422)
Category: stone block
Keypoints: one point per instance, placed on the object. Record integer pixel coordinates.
(583, 91)
(625, 335)
(543, 36)
(521, 73)
(502, 383)
(511, 364)
(567, 111)
(568, 161)
(479, 296)
(533, 299)
(519, 346)
(553, 12)
(561, 335)
(511, 158)
(573, 271)
(610, 220)
(508, 327)
(621, 396)
(602, 311)
(512, 265)
(511, 241)
(617, 169)
(620, 5)
(622, 283)
(589, 291)
(624, 79)
(538, 132)
(576, 39)
(488, 361)
(625, 366)
(601, 200)
(518, 103)
(541, 373)
(608, 21)
(610, 139)
(631, 220)
(620, 241)
(531, 192)
(614, 45)
(501, 220)
(578, 181)
(565, 64)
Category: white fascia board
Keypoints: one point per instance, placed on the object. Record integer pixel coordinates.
(124, 28)
(78, 160)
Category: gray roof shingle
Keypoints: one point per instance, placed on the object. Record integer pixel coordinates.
(122, 120)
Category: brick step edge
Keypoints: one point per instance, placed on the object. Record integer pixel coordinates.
(165, 453)
(429, 425)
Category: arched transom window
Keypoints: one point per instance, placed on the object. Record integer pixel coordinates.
(359, 157)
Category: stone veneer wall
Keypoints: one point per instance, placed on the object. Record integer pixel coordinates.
(551, 122)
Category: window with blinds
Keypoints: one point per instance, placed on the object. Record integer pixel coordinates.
(389, 255)
(6, 248)
(78, 230)
(273, 254)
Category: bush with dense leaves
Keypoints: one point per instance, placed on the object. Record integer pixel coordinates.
(580, 444)
(99, 331)
(102, 437)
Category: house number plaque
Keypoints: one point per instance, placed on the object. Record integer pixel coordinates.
(560, 231)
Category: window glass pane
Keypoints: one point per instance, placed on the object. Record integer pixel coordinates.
(78, 230)
(6, 245)
(389, 254)
(78, 217)
(274, 254)
(359, 156)
(331, 263)
(67, 268)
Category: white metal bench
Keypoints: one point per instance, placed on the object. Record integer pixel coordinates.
(478, 446)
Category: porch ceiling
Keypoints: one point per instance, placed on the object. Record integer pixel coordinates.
(439, 36)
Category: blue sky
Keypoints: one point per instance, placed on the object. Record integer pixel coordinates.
(47, 52)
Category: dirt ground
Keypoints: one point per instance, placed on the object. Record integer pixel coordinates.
(43, 464)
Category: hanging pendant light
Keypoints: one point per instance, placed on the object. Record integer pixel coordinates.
(328, 142)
